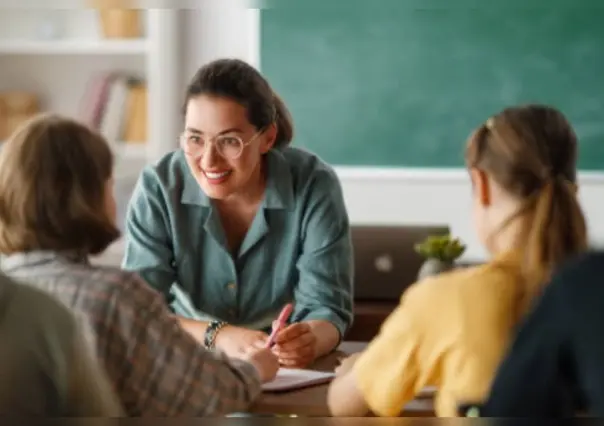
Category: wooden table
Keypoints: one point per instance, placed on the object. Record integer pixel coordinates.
(312, 401)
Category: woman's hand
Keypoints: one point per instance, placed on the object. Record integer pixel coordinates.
(295, 345)
(237, 341)
(346, 364)
(264, 360)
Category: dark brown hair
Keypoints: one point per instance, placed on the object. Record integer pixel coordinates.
(531, 151)
(53, 174)
(242, 83)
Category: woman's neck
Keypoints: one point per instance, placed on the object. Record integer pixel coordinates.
(507, 239)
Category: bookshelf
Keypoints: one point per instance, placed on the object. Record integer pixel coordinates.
(176, 42)
(57, 54)
(74, 47)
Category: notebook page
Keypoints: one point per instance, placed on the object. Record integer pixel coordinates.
(292, 378)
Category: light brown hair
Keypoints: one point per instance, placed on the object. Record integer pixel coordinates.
(53, 174)
(237, 80)
(531, 151)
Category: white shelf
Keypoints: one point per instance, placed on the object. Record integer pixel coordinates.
(61, 70)
(75, 47)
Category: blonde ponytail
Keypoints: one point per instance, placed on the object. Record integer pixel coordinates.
(555, 230)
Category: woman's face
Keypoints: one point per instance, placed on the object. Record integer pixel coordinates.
(217, 123)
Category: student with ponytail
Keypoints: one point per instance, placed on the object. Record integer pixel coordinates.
(529, 155)
(237, 223)
(451, 331)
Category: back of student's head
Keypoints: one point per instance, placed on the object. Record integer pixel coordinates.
(531, 152)
(55, 195)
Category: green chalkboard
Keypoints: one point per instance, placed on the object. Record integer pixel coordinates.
(399, 86)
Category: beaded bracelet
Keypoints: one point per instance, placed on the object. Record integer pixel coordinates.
(211, 332)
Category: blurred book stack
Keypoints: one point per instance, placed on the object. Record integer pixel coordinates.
(16, 107)
(116, 105)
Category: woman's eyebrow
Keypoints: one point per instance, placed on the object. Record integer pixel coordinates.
(229, 130)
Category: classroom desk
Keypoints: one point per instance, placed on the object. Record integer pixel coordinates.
(312, 401)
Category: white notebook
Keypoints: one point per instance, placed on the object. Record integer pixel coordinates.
(292, 378)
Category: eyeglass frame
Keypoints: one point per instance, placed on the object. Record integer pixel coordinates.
(211, 140)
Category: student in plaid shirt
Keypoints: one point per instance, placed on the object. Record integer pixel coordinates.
(56, 209)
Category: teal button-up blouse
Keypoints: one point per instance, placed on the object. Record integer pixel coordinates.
(297, 249)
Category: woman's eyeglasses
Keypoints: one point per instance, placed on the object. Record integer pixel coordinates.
(227, 146)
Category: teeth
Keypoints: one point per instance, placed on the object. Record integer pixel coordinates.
(217, 175)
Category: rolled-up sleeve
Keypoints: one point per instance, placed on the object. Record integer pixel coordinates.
(148, 249)
(325, 287)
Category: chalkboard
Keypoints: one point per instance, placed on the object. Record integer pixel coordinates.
(400, 86)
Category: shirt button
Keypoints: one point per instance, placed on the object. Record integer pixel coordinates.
(232, 286)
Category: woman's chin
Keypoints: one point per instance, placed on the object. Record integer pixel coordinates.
(216, 191)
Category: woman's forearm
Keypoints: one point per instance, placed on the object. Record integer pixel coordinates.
(195, 328)
(327, 336)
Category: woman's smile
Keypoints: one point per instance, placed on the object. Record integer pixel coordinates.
(217, 177)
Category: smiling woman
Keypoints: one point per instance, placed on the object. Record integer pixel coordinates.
(237, 223)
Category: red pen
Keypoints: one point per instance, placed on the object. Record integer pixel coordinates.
(281, 321)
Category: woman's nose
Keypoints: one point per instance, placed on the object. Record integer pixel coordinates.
(209, 157)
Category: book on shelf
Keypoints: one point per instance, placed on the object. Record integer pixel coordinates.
(116, 105)
(16, 107)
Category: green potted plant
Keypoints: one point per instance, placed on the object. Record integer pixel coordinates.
(440, 252)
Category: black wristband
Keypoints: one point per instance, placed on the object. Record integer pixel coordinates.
(209, 338)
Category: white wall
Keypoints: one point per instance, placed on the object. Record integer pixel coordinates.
(373, 196)
(214, 32)
(402, 196)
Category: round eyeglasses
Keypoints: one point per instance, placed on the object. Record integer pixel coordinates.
(228, 146)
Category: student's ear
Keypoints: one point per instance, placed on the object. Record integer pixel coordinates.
(482, 189)
(269, 136)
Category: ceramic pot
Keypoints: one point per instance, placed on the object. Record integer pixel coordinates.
(120, 23)
(433, 267)
(119, 19)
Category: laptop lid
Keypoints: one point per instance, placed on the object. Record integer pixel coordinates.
(385, 259)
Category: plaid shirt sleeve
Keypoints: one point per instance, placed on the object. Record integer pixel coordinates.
(162, 369)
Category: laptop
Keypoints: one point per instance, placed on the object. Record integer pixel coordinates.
(385, 259)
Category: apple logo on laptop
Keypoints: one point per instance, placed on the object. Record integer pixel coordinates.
(383, 263)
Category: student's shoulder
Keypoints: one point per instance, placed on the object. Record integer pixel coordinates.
(25, 295)
(459, 281)
(590, 262)
(121, 281)
(123, 296)
(580, 276)
(51, 317)
(116, 287)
